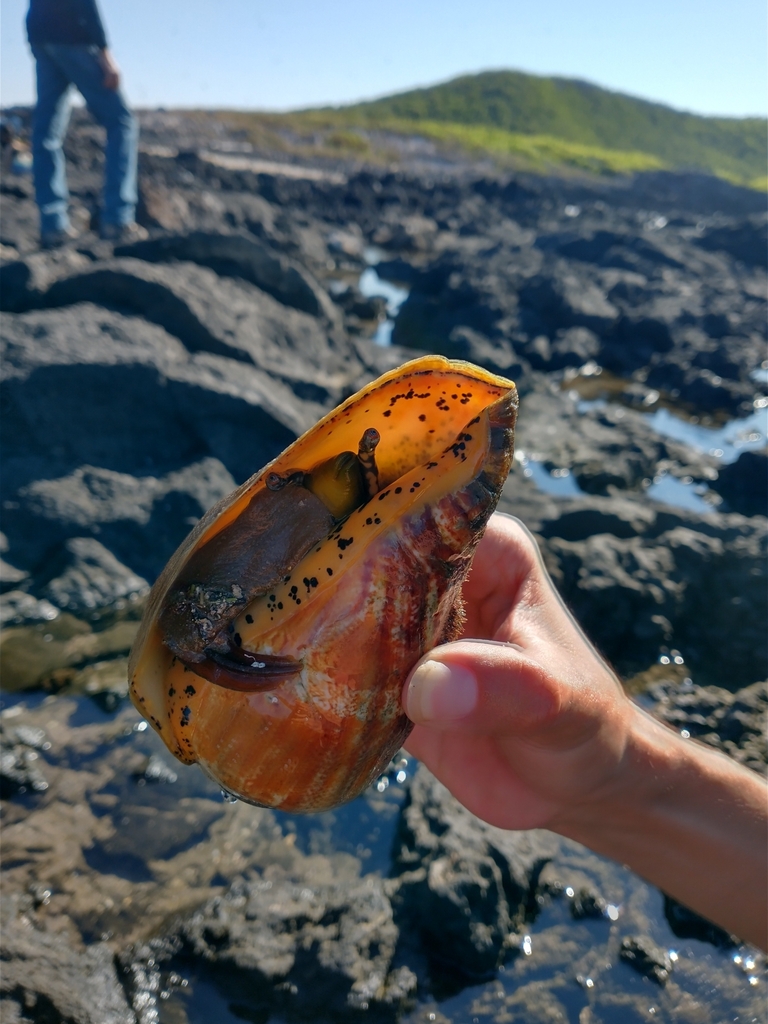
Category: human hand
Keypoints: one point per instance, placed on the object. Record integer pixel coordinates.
(111, 70)
(521, 720)
(529, 728)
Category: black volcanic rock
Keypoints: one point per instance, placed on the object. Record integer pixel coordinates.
(293, 944)
(399, 270)
(746, 240)
(651, 303)
(465, 885)
(221, 316)
(109, 430)
(89, 576)
(57, 369)
(20, 768)
(692, 192)
(443, 298)
(24, 281)
(696, 583)
(744, 483)
(647, 958)
(45, 979)
(563, 297)
(607, 447)
(736, 723)
(241, 256)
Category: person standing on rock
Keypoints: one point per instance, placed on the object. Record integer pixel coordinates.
(69, 45)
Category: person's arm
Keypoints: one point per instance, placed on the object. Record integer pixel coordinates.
(690, 820)
(529, 728)
(93, 29)
(110, 69)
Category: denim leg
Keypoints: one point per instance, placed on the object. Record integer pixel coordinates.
(48, 130)
(80, 64)
(121, 157)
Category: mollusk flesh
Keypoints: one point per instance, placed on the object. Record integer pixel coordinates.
(277, 639)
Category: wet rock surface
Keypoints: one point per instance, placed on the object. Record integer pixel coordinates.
(744, 483)
(44, 979)
(292, 943)
(20, 769)
(736, 723)
(646, 958)
(141, 385)
(399, 905)
(678, 583)
(465, 885)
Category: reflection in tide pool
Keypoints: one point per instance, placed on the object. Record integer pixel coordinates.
(725, 443)
(365, 827)
(559, 482)
(672, 491)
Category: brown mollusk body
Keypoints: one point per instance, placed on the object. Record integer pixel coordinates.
(331, 613)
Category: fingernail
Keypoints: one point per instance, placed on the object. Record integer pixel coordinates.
(440, 693)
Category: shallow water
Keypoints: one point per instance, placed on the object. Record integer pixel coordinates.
(372, 286)
(383, 335)
(145, 822)
(672, 491)
(559, 482)
(725, 443)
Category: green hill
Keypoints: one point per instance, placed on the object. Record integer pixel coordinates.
(511, 106)
(527, 122)
(578, 112)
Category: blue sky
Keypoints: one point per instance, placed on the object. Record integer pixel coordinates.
(708, 56)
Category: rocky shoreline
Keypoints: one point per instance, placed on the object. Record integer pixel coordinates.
(141, 384)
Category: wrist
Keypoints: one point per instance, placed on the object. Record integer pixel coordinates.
(645, 782)
(688, 819)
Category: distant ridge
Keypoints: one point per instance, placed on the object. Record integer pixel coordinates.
(577, 113)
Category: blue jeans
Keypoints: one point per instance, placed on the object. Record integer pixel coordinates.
(58, 67)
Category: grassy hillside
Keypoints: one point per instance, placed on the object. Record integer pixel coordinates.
(527, 122)
(582, 114)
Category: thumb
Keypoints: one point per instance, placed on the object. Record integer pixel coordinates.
(480, 686)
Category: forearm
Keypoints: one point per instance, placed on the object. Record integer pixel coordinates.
(110, 69)
(692, 822)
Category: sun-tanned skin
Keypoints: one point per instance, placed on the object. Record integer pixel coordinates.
(529, 728)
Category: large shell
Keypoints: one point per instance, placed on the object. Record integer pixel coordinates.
(355, 603)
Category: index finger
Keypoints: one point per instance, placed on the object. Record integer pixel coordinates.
(505, 562)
